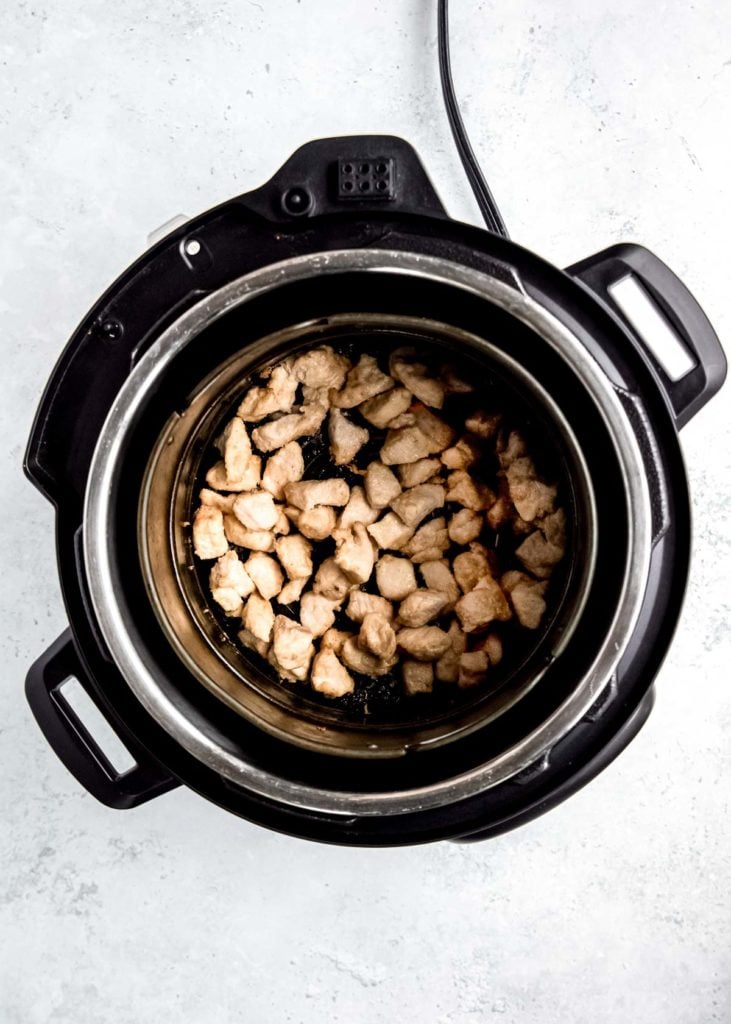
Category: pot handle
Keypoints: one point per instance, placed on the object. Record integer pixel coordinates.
(74, 744)
(700, 381)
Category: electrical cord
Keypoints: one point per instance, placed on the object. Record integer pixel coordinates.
(483, 195)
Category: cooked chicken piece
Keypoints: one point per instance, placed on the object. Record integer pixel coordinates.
(359, 660)
(321, 368)
(421, 606)
(209, 538)
(317, 613)
(282, 525)
(418, 677)
(217, 478)
(437, 576)
(266, 574)
(404, 419)
(331, 581)
(463, 454)
(424, 643)
(291, 592)
(223, 501)
(440, 434)
(390, 533)
(357, 510)
(481, 606)
(306, 494)
(466, 491)
(454, 383)
(526, 597)
(500, 512)
(413, 473)
(395, 577)
(361, 604)
(292, 649)
(254, 540)
(473, 667)
(383, 408)
(447, 667)
(329, 676)
(346, 439)
(381, 485)
(354, 553)
(492, 645)
(464, 526)
(405, 367)
(539, 555)
(228, 599)
(258, 618)
(509, 449)
(405, 444)
(295, 554)
(229, 573)
(252, 643)
(553, 528)
(417, 503)
(276, 396)
(256, 510)
(235, 446)
(277, 433)
(469, 567)
(532, 498)
(333, 639)
(316, 524)
(483, 424)
(283, 467)
(364, 381)
(430, 537)
(377, 636)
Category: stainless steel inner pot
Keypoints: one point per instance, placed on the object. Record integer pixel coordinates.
(166, 499)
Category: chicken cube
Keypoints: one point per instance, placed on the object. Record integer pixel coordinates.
(284, 466)
(321, 367)
(357, 510)
(277, 395)
(229, 599)
(417, 503)
(265, 573)
(418, 676)
(329, 676)
(316, 524)
(354, 553)
(539, 555)
(383, 408)
(361, 604)
(333, 639)
(364, 381)
(463, 454)
(469, 567)
(346, 439)
(306, 494)
(481, 606)
(526, 597)
(464, 490)
(331, 581)
(282, 525)
(395, 577)
(483, 424)
(317, 613)
(291, 592)
(218, 479)
(429, 542)
(492, 645)
(254, 540)
(277, 433)
(292, 649)
(510, 448)
(359, 660)
(473, 667)
(437, 576)
(229, 572)
(377, 636)
(500, 512)
(405, 444)
(531, 497)
(258, 618)
(413, 473)
(256, 510)
(390, 533)
(235, 446)
(405, 367)
(421, 606)
(423, 643)
(553, 528)
(381, 485)
(223, 501)
(209, 538)
(295, 555)
(464, 526)
(439, 433)
(447, 667)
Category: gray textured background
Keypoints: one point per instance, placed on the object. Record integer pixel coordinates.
(597, 122)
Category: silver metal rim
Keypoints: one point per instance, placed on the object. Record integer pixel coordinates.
(99, 555)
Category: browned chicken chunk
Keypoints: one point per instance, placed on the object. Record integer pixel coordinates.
(258, 618)
(235, 446)
(292, 649)
(481, 606)
(354, 553)
(295, 555)
(358, 510)
(473, 667)
(361, 604)
(334, 639)
(277, 395)
(483, 424)
(306, 494)
(437, 576)
(405, 444)
(284, 466)
(277, 433)
(383, 408)
(395, 577)
(329, 676)
(321, 367)
(346, 438)
(364, 381)
(417, 503)
(359, 660)
(390, 533)
(256, 510)
(254, 540)
(265, 573)
(331, 581)
(317, 613)
(316, 524)
(381, 485)
(464, 526)
(291, 592)
(418, 676)
(209, 538)
(424, 643)
(377, 636)
(416, 377)
(217, 477)
(421, 606)
(413, 473)
(447, 667)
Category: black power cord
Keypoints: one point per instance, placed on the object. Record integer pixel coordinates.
(483, 195)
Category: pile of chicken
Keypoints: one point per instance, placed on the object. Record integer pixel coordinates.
(419, 527)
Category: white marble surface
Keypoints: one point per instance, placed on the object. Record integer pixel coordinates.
(597, 122)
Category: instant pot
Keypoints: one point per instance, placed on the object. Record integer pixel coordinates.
(348, 244)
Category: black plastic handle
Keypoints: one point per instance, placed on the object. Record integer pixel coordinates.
(73, 743)
(688, 394)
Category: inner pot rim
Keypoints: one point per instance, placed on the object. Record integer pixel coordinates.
(99, 554)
